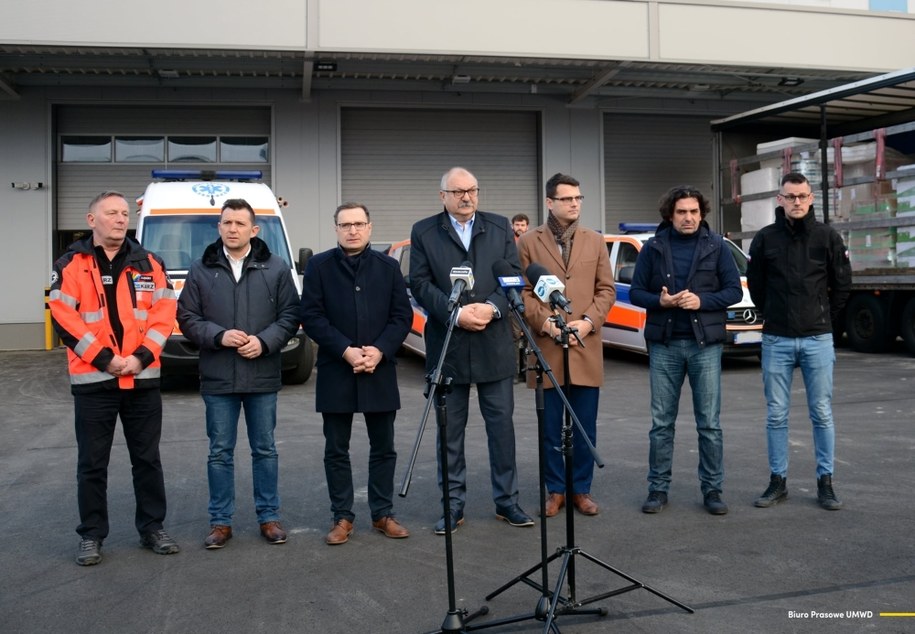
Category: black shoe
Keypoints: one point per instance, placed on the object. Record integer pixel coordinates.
(514, 515)
(655, 503)
(714, 505)
(457, 519)
(825, 495)
(159, 542)
(90, 551)
(775, 493)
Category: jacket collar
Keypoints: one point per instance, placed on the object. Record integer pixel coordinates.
(214, 255)
(803, 226)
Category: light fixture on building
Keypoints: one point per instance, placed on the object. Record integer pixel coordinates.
(460, 79)
(790, 82)
(167, 73)
(325, 67)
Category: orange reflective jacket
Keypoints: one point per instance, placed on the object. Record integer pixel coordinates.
(146, 309)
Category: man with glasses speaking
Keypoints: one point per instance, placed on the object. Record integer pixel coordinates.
(800, 277)
(481, 350)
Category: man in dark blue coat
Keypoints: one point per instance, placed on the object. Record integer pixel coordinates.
(355, 307)
(239, 306)
(481, 350)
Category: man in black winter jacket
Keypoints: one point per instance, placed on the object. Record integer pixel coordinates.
(799, 276)
(240, 306)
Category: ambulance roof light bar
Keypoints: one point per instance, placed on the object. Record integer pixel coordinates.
(208, 175)
(638, 227)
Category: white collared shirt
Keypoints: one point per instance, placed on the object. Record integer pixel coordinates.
(237, 265)
(464, 231)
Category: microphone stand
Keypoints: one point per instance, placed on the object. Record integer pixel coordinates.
(554, 604)
(437, 386)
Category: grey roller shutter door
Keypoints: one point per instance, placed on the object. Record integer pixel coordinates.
(644, 156)
(393, 160)
(77, 183)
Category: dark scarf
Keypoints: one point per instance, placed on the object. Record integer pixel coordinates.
(563, 235)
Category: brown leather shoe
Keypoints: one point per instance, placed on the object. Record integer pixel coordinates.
(273, 532)
(391, 527)
(218, 536)
(585, 504)
(340, 533)
(554, 502)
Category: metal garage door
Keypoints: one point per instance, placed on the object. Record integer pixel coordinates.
(393, 160)
(89, 139)
(644, 156)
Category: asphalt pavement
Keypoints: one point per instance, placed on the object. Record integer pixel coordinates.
(790, 568)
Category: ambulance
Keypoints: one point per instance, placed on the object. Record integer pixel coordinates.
(178, 219)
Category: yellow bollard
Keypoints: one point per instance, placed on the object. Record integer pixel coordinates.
(50, 337)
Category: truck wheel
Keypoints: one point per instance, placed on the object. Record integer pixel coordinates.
(868, 324)
(907, 325)
(302, 371)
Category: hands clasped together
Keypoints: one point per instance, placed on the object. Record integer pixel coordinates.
(684, 299)
(364, 359)
(476, 317)
(248, 346)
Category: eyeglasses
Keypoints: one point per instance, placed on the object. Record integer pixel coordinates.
(567, 200)
(798, 197)
(473, 192)
(346, 226)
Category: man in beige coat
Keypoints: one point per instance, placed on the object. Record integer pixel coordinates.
(578, 257)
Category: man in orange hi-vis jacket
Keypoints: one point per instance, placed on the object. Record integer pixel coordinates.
(113, 306)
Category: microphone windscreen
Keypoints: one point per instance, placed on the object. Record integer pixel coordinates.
(534, 272)
(501, 268)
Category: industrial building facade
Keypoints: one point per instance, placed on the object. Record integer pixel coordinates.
(339, 100)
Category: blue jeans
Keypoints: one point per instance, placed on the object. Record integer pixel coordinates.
(669, 365)
(222, 430)
(584, 403)
(816, 357)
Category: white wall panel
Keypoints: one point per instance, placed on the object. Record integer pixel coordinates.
(782, 36)
(560, 28)
(266, 24)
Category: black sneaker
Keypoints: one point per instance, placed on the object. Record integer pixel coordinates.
(825, 495)
(457, 519)
(90, 551)
(655, 503)
(714, 505)
(775, 493)
(159, 542)
(514, 515)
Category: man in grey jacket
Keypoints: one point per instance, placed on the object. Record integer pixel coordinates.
(240, 306)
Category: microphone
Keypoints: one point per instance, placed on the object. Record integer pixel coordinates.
(461, 280)
(548, 288)
(510, 283)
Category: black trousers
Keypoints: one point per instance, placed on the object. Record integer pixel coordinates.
(338, 429)
(141, 418)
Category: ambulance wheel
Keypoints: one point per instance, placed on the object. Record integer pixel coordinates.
(302, 371)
